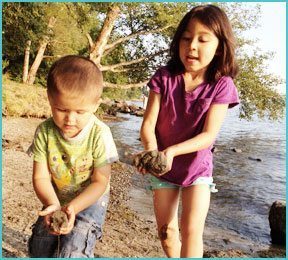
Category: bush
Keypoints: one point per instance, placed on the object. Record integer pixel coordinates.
(122, 94)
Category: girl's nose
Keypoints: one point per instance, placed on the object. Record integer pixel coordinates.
(193, 44)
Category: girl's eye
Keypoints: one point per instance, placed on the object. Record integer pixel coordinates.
(202, 39)
(185, 38)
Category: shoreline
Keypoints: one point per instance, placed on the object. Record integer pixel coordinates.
(126, 233)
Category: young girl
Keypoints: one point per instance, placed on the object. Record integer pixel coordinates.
(187, 104)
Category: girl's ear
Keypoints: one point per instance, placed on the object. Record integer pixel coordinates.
(49, 98)
(218, 51)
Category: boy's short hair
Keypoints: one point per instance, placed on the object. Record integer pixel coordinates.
(75, 75)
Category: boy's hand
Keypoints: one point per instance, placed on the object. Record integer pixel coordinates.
(47, 212)
(70, 212)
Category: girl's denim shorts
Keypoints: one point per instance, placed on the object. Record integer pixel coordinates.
(156, 183)
(79, 243)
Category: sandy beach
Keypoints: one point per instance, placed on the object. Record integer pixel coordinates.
(126, 232)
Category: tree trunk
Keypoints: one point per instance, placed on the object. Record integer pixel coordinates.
(39, 57)
(37, 61)
(26, 62)
(98, 48)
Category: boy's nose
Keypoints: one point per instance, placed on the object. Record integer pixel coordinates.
(70, 117)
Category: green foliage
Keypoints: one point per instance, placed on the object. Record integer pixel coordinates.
(71, 27)
(21, 22)
(5, 64)
(256, 89)
(28, 21)
(122, 94)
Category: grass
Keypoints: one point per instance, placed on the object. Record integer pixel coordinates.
(22, 100)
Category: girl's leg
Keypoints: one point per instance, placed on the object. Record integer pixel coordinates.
(166, 201)
(195, 205)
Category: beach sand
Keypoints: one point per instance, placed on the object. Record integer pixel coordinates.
(126, 232)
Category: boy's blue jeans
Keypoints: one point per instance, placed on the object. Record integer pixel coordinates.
(79, 243)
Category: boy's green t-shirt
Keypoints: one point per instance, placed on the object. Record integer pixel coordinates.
(71, 160)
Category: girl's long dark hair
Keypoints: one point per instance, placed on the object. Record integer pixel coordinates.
(224, 63)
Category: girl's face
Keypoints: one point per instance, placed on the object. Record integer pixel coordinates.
(197, 47)
(71, 114)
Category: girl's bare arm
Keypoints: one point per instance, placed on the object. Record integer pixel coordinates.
(147, 131)
(213, 122)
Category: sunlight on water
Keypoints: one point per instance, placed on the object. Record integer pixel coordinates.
(247, 187)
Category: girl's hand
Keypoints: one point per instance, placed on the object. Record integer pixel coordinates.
(47, 212)
(168, 152)
(70, 212)
(140, 169)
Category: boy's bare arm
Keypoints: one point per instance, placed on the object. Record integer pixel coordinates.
(43, 186)
(99, 181)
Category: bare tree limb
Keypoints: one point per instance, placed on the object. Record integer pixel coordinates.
(91, 43)
(51, 56)
(126, 63)
(98, 48)
(40, 53)
(120, 70)
(110, 46)
(26, 62)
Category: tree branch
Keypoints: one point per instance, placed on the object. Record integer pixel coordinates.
(126, 63)
(131, 36)
(98, 48)
(91, 43)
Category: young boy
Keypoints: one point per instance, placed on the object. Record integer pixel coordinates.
(72, 152)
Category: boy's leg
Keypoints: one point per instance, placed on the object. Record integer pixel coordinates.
(81, 241)
(41, 244)
(166, 201)
(195, 205)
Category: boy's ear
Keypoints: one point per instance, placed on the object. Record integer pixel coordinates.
(98, 103)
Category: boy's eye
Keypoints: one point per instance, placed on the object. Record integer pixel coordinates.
(61, 110)
(80, 112)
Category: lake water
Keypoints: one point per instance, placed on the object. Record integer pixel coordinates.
(247, 188)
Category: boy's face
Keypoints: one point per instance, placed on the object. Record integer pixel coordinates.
(71, 114)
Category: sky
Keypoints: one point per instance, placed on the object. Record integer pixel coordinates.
(272, 36)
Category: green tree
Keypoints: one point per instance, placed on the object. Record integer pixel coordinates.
(21, 22)
(128, 41)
